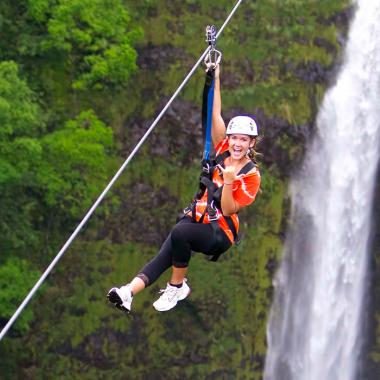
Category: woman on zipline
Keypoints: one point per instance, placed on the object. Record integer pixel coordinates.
(210, 226)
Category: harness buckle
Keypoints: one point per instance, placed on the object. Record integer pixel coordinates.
(190, 207)
(212, 212)
(206, 167)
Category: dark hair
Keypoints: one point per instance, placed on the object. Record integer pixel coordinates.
(253, 154)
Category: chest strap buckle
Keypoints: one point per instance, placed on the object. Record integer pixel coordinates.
(212, 212)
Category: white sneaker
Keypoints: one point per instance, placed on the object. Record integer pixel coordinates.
(121, 297)
(171, 295)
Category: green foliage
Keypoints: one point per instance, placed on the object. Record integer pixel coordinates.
(62, 169)
(16, 279)
(20, 155)
(39, 9)
(90, 41)
(41, 172)
(75, 163)
(95, 37)
(18, 111)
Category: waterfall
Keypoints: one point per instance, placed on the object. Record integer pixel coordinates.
(316, 326)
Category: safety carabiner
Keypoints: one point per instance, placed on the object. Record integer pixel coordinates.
(213, 57)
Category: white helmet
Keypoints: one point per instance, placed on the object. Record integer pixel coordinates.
(243, 125)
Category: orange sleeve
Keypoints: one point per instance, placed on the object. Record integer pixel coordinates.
(248, 186)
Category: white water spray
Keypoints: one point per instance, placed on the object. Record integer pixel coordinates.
(315, 327)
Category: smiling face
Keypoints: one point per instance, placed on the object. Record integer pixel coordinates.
(239, 145)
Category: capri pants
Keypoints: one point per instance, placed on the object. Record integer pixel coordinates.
(186, 236)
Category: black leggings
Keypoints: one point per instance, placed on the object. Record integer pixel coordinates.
(186, 236)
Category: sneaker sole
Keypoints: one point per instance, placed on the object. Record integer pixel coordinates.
(114, 298)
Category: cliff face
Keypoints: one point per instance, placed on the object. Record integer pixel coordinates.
(278, 58)
(371, 359)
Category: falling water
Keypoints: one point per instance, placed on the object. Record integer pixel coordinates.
(315, 327)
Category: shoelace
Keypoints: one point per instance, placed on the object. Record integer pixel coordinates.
(169, 293)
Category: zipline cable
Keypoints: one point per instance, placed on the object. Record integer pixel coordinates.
(113, 180)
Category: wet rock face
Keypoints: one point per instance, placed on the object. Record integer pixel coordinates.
(339, 19)
(144, 216)
(152, 57)
(178, 140)
(281, 143)
(181, 134)
(371, 367)
(312, 72)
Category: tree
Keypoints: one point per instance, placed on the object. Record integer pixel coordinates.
(21, 152)
(75, 163)
(95, 37)
(44, 174)
(16, 279)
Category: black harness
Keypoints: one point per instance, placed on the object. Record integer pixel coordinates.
(214, 195)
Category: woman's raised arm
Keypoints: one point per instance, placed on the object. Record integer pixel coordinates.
(218, 131)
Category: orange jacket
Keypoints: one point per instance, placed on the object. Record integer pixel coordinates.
(244, 191)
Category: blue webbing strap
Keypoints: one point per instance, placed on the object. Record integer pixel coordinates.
(208, 101)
